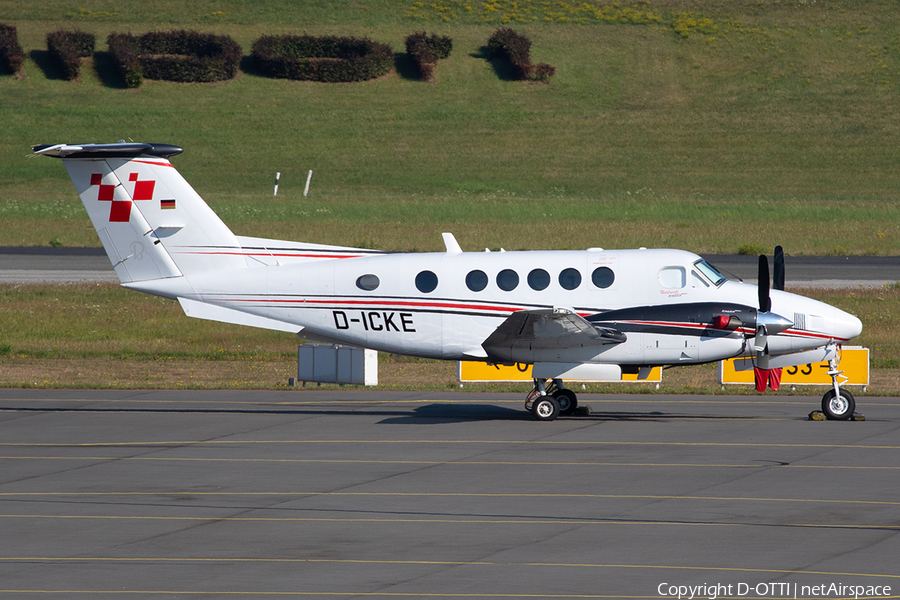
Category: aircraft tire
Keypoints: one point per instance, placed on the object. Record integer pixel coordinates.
(567, 400)
(545, 408)
(838, 408)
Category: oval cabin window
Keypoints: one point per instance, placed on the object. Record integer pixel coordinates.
(476, 280)
(570, 279)
(426, 281)
(603, 277)
(507, 280)
(538, 279)
(368, 282)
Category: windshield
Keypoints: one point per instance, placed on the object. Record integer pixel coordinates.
(710, 272)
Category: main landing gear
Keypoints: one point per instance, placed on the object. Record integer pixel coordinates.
(549, 400)
(837, 404)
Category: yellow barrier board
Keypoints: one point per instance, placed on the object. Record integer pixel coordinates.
(476, 372)
(854, 364)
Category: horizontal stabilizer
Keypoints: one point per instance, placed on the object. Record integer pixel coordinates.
(117, 150)
(201, 310)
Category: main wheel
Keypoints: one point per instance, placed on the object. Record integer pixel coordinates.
(567, 400)
(838, 407)
(545, 408)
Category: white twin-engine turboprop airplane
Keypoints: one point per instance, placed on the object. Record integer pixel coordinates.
(592, 314)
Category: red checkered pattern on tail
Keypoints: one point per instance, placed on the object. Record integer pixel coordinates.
(120, 210)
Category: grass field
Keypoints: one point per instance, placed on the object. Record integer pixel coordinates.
(714, 126)
(711, 126)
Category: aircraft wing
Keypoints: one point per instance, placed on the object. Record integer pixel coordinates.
(539, 332)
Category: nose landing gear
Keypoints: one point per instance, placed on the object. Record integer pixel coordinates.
(837, 404)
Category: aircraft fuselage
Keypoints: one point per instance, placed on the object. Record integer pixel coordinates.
(444, 305)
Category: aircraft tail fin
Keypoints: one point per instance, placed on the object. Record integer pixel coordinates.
(151, 222)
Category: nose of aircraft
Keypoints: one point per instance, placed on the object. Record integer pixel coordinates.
(846, 326)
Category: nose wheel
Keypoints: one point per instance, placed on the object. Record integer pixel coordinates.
(837, 404)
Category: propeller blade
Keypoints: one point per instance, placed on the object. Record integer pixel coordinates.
(760, 341)
(778, 272)
(762, 284)
(762, 361)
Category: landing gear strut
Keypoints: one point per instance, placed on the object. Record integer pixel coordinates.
(837, 404)
(549, 400)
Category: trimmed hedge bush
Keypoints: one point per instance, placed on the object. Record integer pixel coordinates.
(513, 47)
(125, 51)
(11, 55)
(426, 51)
(329, 59)
(67, 48)
(185, 56)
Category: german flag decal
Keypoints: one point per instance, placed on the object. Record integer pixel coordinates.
(165, 204)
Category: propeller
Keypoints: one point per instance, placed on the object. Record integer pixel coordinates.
(768, 322)
(778, 273)
(762, 284)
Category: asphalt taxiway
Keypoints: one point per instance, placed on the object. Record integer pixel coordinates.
(347, 494)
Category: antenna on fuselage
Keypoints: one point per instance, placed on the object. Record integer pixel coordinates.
(451, 244)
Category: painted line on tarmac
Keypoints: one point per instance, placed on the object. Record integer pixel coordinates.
(437, 442)
(481, 563)
(456, 522)
(326, 594)
(351, 594)
(301, 495)
(343, 461)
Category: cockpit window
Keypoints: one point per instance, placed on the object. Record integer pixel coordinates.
(710, 272)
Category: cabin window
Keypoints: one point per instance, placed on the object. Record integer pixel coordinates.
(368, 282)
(538, 279)
(476, 280)
(570, 278)
(672, 277)
(426, 281)
(507, 280)
(603, 277)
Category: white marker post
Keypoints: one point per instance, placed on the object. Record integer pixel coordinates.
(277, 177)
(308, 179)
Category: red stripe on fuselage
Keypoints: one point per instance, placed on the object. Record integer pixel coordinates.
(275, 254)
(380, 304)
(745, 331)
